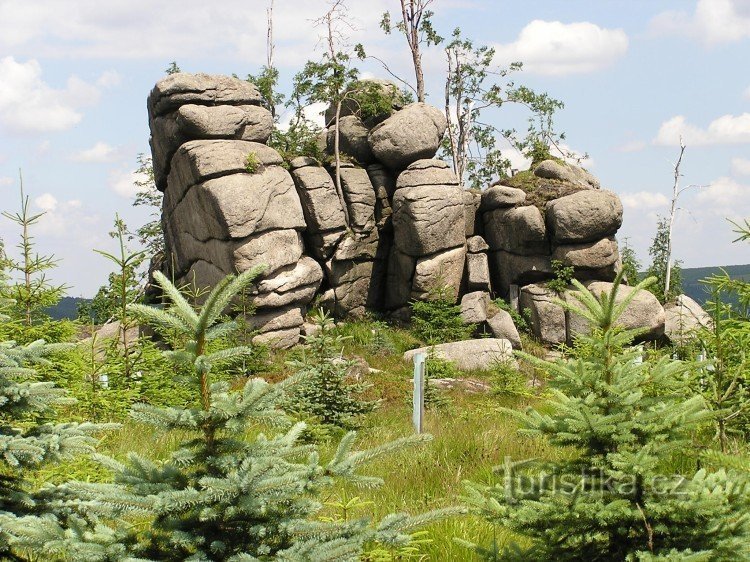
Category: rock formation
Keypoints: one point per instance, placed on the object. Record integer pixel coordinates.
(399, 228)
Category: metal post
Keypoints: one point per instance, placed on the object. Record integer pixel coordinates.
(418, 398)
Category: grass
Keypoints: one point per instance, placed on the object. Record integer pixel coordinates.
(471, 435)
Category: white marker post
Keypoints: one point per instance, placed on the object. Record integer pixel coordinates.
(418, 399)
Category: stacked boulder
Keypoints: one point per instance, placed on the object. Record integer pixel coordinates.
(554, 212)
(429, 234)
(386, 225)
(228, 202)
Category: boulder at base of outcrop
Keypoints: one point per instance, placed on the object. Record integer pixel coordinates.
(408, 135)
(474, 307)
(502, 326)
(683, 318)
(644, 312)
(547, 317)
(469, 355)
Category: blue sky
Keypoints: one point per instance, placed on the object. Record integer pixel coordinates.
(634, 76)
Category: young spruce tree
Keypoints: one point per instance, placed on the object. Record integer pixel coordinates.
(27, 441)
(611, 498)
(223, 495)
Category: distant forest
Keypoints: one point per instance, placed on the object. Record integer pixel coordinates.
(691, 277)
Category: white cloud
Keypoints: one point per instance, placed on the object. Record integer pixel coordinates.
(741, 166)
(131, 29)
(313, 113)
(727, 129)
(46, 202)
(554, 48)
(109, 79)
(724, 195)
(29, 104)
(713, 22)
(5, 180)
(644, 200)
(123, 182)
(100, 152)
(632, 146)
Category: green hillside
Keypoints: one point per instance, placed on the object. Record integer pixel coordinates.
(692, 276)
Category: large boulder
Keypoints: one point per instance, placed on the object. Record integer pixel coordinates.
(204, 89)
(295, 283)
(469, 355)
(359, 195)
(239, 205)
(474, 307)
(565, 172)
(519, 230)
(441, 271)
(683, 318)
(429, 217)
(584, 216)
(320, 202)
(502, 326)
(590, 255)
(547, 318)
(408, 135)
(501, 197)
(352, 139)
(200, 160)
(477, 272)
(643, 313)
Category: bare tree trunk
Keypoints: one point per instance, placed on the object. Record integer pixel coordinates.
(672, 210)
(411, 13)
(451, 127)
(269, 36)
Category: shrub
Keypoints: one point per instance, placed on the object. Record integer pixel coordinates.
(563, 276)
(220, 496)
(509, 381)
(252, 164)
(323, 390)
(438, 320)
(610, 499)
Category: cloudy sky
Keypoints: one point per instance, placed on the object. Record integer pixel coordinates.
(634, 76)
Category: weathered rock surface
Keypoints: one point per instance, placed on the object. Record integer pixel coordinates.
(469, 355)
(477, 272)
(585, 216)
(502, 326)
(443, 269)
(352, 139)
(501, 197)
(428, 218)
(408, 135)
(519, 230)
(474, 307)
(644, 311)
(548, 321)
(591, 255)
(683, 318)
(203, 89)
(359, 195)
(563, 171)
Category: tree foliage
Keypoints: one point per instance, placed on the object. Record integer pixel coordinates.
(621, 419)
(660, 256)
(475, 86)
